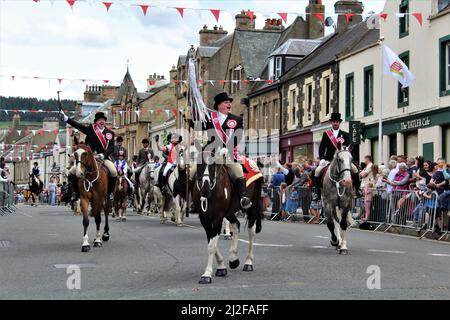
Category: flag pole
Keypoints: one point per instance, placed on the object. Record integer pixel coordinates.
(380, 111)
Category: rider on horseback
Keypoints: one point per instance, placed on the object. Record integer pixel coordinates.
(331, 140)
(171, 151)
(101, 141)
(121, 166)
(145, 154)
(222, 133)
(37, 172)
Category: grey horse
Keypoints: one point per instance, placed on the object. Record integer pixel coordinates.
(146, 184)
(337, 198)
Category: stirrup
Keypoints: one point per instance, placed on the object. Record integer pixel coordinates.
(245, 203)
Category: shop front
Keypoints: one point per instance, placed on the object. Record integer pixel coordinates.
(424, 134)
(297, 147)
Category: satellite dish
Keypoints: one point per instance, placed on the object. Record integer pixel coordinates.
(329, 22)
(442, 4)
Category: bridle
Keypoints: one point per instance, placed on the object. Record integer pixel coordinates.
(86, 182)
(338, 179)
(205, 176)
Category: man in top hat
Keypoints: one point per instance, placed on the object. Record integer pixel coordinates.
(101, 141)
(144, 156)
(224, 133)
(332, 139)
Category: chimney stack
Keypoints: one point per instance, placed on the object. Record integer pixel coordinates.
(244, 21)
(343, 7)
(208, 36)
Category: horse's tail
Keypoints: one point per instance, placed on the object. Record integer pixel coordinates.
(257, 205)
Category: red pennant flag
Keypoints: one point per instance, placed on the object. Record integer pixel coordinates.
(246, 81)
(348, 16)
(106, 81)
(383, 15)
(55, 131)
(144, 8)
(181, 11)
(60, 80)
(13, 77)
(174, 111)
(176, 81)
(158, 111)
(26, 132)
(107, 5)
(283, 16)
(200, 81)
(251, 14)
(71, 3)
(319, 16)
(418, 16)
(222, 82)
(269, 81)
(151, 82)
(215, 13)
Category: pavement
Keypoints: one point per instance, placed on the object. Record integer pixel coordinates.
(147, 260)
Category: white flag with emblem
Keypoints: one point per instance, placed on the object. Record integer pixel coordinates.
(394, 66)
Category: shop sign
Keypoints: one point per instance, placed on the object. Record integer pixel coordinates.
(355, 132)
(415, 123)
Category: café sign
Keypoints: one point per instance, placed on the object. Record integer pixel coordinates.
(415, 123)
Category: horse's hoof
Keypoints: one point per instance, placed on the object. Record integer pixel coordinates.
(344, 252)
(173, 219)
(221, 272)
(105, 237)
(162, 221)
(234, 264)
(97, 244)
(248, 267)
(226, 237)
(179, 224)
(124, 219)
(85, 248)
(205, 280)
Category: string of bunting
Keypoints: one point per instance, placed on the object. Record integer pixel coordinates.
(216, 12)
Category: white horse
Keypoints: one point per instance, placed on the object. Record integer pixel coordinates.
(146, 184)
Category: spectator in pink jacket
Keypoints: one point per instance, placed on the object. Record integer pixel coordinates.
(401, 178)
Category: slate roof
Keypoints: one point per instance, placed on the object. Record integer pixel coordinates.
(207, 52)
(126, 88)
(255, 47)
(297, 47)
(332, 47)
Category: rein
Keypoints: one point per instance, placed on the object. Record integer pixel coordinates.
(88, 184)
(340, 172)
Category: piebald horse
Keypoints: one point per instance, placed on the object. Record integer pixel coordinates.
(215, 198)
(93, 186)
(120, 197)
(36, 187)
(337, 196)
(176, 197)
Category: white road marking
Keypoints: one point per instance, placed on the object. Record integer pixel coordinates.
(268, 244)
(81, 265)
(321, 237)
(25, 214)
(385, 251)
(319, 247)
(439, 254)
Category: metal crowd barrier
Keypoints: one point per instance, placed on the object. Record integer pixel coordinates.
(7, 198)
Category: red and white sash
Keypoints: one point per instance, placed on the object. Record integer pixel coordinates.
(170, 158)
(333, 139)
(100, 137)
(222, 135)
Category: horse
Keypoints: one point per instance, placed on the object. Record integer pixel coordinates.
(176, 196)
(120, 197)
(215, 198)
(36, 187)
(337, 198)
(93, 186)
(146, 183)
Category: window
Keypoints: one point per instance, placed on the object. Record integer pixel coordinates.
(309, 102)
(266, 115)
(256, 118)
(349, 96)
(403, 94)
(368, 90)
(271, 65)
(404, 21)
(327, 96)
(276, 118)
(444, 66)
(294, 107)
(278, 64)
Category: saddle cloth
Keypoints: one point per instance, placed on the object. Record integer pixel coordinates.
(251, 170)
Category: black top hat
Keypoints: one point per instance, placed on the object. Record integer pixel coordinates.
(221, 97)
(145, 140)
(119, 139)
(336, 116)
(100, 115)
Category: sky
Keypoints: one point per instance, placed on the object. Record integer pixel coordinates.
(48, 39)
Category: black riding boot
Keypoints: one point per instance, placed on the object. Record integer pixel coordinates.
(111, 186)
(242, 192)
(318, 186)
(357, 184)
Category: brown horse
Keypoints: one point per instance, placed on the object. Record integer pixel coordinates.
(93, 186)
(120, 197)
(215, 198)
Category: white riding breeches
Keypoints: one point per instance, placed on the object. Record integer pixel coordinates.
(323, 163)
(167, 168)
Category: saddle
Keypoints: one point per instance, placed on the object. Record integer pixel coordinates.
(322, 173)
